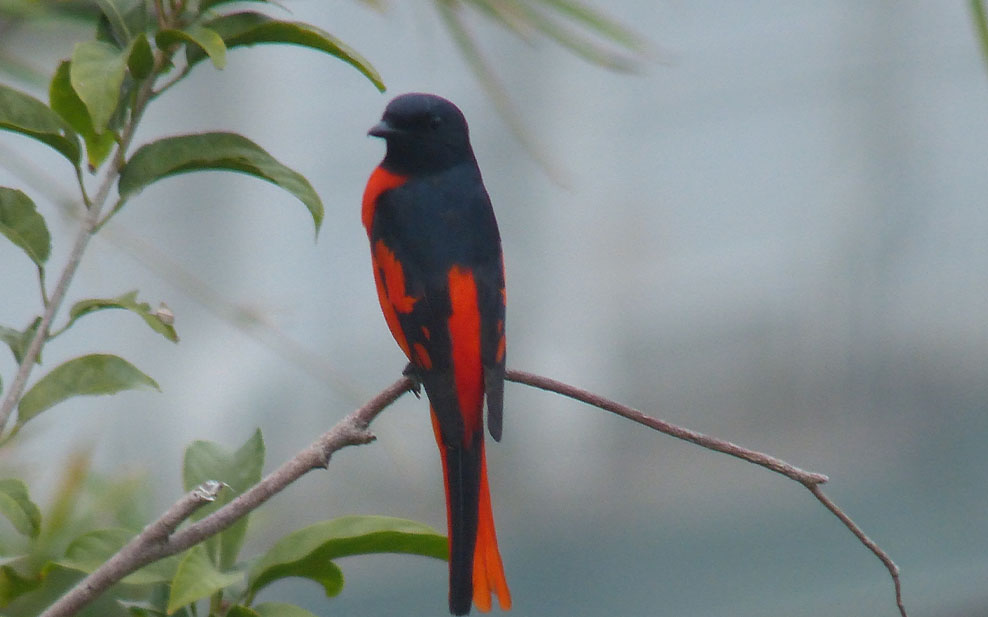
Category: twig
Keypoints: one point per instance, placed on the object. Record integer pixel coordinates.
(806, 478)
(844, 518)
(158, 541)
(34, 348)
(133, 555)
(810, 480)
(154, 544)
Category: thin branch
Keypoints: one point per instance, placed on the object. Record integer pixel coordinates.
(810, 480)
(159, 12)
(31, 354)
(134, 554)
(806, 478)
(158, 541)
(154, 544)
(844, 518)
(171, 82)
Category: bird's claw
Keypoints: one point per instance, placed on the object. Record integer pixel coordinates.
(412, 373)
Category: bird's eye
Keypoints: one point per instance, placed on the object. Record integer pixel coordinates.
(435, 122)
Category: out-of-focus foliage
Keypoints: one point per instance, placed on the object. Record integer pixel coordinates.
(586, 31)
(17, 14)
(979, 15)
(91, 517)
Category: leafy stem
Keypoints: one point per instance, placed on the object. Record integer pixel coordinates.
(90, 226)
(53, 334)
(159, 11)
(82, 188)
(41, 284)
(171, 82)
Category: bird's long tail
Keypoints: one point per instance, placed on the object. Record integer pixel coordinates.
(475, 568)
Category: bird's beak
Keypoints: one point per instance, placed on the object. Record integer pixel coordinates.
(382, 129)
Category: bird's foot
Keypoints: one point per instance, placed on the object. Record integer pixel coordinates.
(412, 372)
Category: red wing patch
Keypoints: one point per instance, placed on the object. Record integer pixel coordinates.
(394, 278)
(391, 291)
(499, 356)
(464, 334)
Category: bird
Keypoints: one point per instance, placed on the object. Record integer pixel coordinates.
(439, 272)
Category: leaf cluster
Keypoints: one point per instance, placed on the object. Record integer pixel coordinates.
(213, 571)
(96, 98)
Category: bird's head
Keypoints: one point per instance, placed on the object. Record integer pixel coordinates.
(424, 133)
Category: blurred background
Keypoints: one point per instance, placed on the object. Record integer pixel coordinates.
(773, 232)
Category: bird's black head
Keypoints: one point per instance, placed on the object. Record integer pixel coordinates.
(425, 134)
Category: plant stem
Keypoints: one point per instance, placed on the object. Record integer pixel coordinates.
(41, 284)
(27, 362)
(89, 228)
(82, 187)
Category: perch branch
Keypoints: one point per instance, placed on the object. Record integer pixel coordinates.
(160, 540)
(810, 480)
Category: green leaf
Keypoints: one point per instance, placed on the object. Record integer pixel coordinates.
(141, 609)
(250, 28)
(127, 18)
(19, 340)
(208, 4)
(91, 550)
(205, 38)
(307, 552)
(240, 610)
(13, 584)
(156, 604)
(23, 225)
(140, 59)
(240, 470)
(127, 301)
(97, 73)
(197, 578)
(70, 107)
(280, 609)
(28, 116)
(149, 609)
(17, 506)
(87, 375)
(104, 31)
(216, 151)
